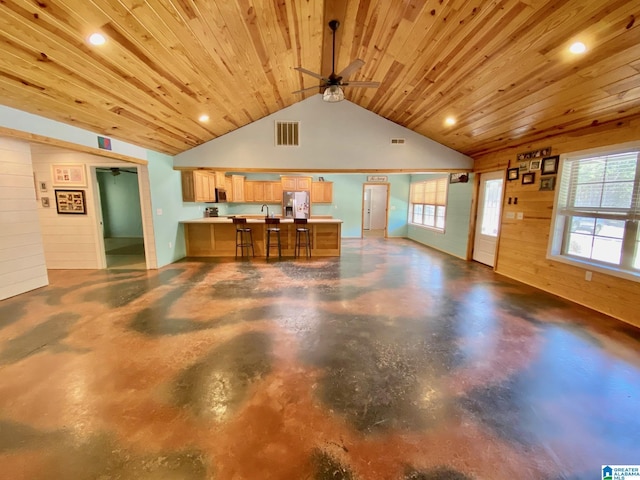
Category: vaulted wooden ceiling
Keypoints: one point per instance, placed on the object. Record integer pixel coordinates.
(500, 67)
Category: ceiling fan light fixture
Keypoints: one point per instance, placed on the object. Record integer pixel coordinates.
(332, 94)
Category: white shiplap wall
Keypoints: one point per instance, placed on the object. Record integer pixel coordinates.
(22, 261)
(75, 241)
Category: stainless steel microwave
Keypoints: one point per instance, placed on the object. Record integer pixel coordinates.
(221, 195)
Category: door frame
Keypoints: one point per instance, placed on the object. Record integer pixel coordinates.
(474, 214)
(386, 217)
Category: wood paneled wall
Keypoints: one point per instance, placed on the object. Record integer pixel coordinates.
(523, 243)
(22, 264)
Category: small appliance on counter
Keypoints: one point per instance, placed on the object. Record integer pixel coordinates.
(211, 212)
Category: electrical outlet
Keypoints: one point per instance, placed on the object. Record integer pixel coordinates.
(170, 245)
(519, 215)
(587, 276)
(158, 211)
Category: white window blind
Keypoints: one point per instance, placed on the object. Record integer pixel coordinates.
(598, 209)
(428, 203)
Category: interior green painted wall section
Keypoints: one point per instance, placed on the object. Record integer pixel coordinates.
(456, 235)
(120, 200)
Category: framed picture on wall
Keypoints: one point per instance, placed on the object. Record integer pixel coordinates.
(528, 178)
(513, 173)
(549, 165)
(68, 175)
(71, 202)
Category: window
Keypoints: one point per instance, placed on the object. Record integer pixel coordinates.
(429, 203)
(597, 212)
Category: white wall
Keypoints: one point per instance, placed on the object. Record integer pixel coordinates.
(22, 262)
(333, 136)
(75, 241)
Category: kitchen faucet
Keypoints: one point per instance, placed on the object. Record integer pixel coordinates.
(262, 208)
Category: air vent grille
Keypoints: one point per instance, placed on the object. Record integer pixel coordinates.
(397, 141)
(287, 133)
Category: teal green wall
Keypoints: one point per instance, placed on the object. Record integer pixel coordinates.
(120, 200)
(455, 238)
(166, 194)
(346, 205)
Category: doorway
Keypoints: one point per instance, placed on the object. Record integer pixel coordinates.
(375, 201)
(489, 215)
(120, 217)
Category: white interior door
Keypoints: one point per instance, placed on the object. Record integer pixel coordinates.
(489, 214)
(378, 207)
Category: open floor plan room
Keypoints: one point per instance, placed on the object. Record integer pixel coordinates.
(393, 361)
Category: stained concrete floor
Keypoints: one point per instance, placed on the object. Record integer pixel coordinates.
(392, 362)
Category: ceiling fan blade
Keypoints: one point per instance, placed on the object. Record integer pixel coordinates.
(317, 87)
(313, 74)
(361, 84)
(352, 67)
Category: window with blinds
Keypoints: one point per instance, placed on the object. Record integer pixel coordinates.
(428, 204)
(597, 211)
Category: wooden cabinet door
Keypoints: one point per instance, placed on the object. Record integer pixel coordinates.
(249, 191)
(220, 180)
(303, 184)
(289, 184)
(204, 186)
(321, 192)
(273, 192)
(237, 188)
(188, 195)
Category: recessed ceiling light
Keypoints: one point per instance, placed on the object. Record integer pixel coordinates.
(204, 118)
(450, 121)
(97, 39)
(578, 48)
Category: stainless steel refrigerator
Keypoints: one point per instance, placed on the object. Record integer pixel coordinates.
(295, 204)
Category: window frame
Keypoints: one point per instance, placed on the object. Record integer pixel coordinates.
(437, 207)
(563, 216)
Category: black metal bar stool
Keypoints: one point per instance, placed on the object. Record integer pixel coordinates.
(275, 230)
(303, 237)
(244, 237)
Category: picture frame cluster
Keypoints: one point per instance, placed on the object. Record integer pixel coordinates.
(536, 161)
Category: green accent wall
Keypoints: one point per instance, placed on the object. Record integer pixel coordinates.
(120, 200)
(166, 195)
(455, 238)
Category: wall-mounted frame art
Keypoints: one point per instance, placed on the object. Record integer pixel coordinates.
(547, 184)
(45, 202)
(528, 178)
(68, 175)
(549, 165)
(513, 173)
(534, 165)
(523, 167)
(71, 201)
(541, 152)
(458, 178)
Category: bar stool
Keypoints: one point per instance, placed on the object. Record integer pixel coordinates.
(244, 237)
(276, 230)
(303, 238)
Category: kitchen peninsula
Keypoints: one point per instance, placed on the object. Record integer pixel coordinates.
(216, 236)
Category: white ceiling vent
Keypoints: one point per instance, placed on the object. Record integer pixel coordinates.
(287, 133)
(397, 141)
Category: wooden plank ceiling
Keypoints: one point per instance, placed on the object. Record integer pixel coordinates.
(501, 68)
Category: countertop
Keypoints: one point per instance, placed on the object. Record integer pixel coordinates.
(224, 219)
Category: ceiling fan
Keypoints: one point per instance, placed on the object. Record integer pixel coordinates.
(334, 82)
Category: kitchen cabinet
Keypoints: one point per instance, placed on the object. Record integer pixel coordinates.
(237, 188)
(262, 191)
(221, 180)
(296, 184)
(198, 186)
(321, 192)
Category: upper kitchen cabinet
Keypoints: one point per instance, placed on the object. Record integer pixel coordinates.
(237, 188)
(262, 192)
(296, 184)
(221, 180)
(198, 186)
(321, 192)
